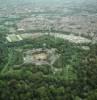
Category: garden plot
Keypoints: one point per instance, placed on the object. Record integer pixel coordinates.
(14, 38)
(19, 37)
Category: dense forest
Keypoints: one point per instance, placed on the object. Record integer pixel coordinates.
(31, 82)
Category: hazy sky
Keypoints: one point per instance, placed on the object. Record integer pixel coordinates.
(51, 2)
(72, 1)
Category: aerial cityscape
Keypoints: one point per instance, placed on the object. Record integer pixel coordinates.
(48, 50)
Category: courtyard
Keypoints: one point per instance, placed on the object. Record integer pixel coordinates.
(40, 56)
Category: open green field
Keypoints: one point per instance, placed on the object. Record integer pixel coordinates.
(71, 38)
